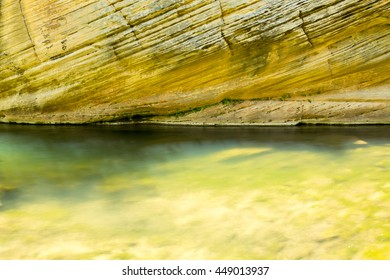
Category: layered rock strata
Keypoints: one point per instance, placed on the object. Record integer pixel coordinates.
(180, 61)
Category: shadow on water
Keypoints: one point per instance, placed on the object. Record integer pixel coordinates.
(123, 135)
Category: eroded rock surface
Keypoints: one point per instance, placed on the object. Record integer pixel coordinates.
(107, 60)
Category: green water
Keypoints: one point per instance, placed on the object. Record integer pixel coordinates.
(145, 192)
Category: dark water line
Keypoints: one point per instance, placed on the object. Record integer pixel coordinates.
(307, 134)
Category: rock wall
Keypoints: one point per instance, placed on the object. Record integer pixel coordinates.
(176, 61)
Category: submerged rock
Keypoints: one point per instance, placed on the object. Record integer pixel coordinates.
(360, 142)
(323, 61)
(6, 187)
(3, 189)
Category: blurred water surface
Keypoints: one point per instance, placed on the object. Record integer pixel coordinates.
(163, 192)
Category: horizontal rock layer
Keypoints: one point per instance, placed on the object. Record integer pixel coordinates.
(109, 60)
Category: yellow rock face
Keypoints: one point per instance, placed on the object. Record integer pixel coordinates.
(106, 60)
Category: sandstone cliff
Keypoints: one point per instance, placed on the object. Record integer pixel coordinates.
(209, 61)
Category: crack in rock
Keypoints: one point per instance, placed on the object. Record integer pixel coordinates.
(303, 26)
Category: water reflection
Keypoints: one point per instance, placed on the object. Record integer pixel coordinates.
(145, 192)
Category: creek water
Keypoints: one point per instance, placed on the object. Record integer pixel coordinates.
(161, 192)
